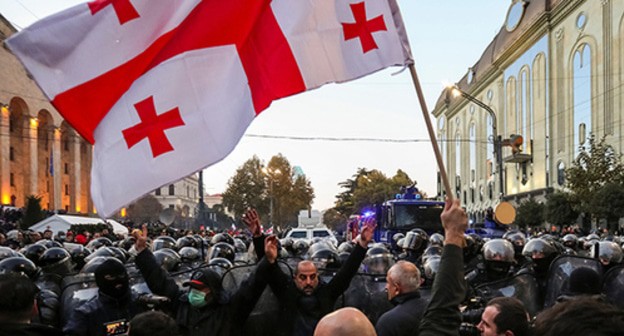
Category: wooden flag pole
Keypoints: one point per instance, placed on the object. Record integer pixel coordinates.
(432, 137)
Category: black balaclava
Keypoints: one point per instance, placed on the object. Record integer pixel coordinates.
(112, 278)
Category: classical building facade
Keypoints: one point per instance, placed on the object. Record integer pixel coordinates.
(181, 195)
(553, 75)
(40, 154)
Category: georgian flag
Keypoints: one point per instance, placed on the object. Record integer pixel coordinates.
(166, 88)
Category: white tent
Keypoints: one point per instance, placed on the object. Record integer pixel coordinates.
(64, 222)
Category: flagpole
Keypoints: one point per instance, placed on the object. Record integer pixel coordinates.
(434, 141)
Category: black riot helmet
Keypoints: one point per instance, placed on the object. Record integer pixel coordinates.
(120, 254)
(222, 250)
(34, 252)
(346, 247)
(163, 242)
(93, 264)
(222, 238)
(189, 254)
(301, 247)
(517, 239)
(416, 241)
(186, 241)
(78, 254)
(101, 252)
(56, 261)
(168, 259)
(609, 253)
(19, 265)
(436, 239)
(241, 247)
(6, 252)
(498, 255)
(325, 258)
(98, 243)
(220, 265)
(378, 260)
(48, 243)
(570, 241)
(542, 252)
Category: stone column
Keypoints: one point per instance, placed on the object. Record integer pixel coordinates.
(75, 202)
(5, 160)
(34, 163)
(58, 170)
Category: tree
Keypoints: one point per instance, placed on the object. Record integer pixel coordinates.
(33, 213)
(335, 220)
(247, 188)
(608, 203)
(145, 210)
(558, 210)
(594, 167)
(530, 213)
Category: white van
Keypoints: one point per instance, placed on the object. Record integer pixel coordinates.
(299, 233)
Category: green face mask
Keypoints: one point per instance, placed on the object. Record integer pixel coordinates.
(197, 298)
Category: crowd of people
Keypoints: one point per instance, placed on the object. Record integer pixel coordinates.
(251, 283)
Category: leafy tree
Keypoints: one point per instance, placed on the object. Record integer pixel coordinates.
(559, 210)
(345, 203)
(594, 167)
(145, 210)
(608, 203)
(335, 220)
(530, 213)
(33, 213)
(247, 188)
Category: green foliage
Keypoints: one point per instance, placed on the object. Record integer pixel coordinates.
(559, 210)
(367, 188)
(247, 188)
(257, 186)
(608, 203)
(33, 213)
(334, 220)
(593, 168)
(145, 210)
(530, 213)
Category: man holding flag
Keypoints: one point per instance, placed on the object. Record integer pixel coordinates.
(172, 86)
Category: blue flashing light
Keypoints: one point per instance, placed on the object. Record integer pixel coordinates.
(368, 214)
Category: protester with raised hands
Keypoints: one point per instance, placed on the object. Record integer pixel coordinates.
(204, 308)
(304, 299)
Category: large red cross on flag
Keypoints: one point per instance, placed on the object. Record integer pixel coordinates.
(165, 89)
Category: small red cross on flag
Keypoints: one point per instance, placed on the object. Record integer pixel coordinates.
(123, 8)
(152, 127)
(362, 27)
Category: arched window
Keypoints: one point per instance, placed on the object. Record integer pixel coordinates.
(473, 154)
(582, 76)
(458, 164)
(561, 173)
(171, 190)
(489, 152)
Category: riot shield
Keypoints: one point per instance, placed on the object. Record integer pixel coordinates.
(559, 275)
(77, 289)
(613, 286)
(366, 293)
(523, 287)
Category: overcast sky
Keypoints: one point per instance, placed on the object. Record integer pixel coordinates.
(446, 37)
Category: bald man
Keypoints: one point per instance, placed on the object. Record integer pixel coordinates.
(402, 286)
(345, 322)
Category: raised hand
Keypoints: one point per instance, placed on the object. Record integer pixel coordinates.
(141, 238)
(252, 220)
(270, 248)
(368, 229)
(455, 223)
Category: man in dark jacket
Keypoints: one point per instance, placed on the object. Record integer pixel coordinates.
(111, 309)
(402, 285)
(205, 309)
(304, 299)
(18, 306)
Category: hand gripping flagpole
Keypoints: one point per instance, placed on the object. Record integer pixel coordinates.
(432, 137)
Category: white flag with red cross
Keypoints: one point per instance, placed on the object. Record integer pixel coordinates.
(166, 88)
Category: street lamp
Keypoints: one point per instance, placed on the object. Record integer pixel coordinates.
(497, 139)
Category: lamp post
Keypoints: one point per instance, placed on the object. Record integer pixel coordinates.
(270, 176)
(496, 139)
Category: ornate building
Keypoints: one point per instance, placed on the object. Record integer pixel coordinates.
(181, 195)
(40, 154)
(553, 75)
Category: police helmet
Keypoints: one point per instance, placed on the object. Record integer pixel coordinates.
(168, 259)
(186, 241)
(222, 238)
(436, 239)
(378, 260)
(570, 241)
(19, 265)
(431, 267)
(220, 265)
(57, 261)
(6, 252)
(397, 236)
(286, 243)
(163, 242)
(346, 247)
(431, 252)
(498, 250)
(101, 252)
(48, 243)
(189, 254)
(325, 258)
(78, 254)
(415, 240)
(301, 247)
(98, 243)
(94, 263)
(34, 252)
(609, 253)
(241, 247)
(120, 254)
(538, 248)
(222, 250)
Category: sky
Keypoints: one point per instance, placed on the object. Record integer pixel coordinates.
(446, 38)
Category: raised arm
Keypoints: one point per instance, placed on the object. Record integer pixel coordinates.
(157, 279)
(442, 316)
(252, 221)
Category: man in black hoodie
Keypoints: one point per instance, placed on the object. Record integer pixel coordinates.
(206, 308)
(18, 306)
